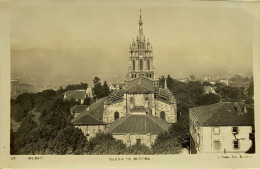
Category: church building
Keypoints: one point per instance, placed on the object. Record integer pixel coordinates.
(138, 112)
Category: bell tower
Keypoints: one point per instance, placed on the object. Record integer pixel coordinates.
(141, 56)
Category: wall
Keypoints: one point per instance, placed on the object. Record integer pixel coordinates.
(109, 110)
(130, 139)
(91, 128)
(169, 109)
(195, 133)
(139, 100)
(204, 137)
(226, 139)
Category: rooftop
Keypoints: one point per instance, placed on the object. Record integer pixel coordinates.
(79, 108)
(140, 85)
(76, 94)
(221, 114)
(138, 124)
(93, 116)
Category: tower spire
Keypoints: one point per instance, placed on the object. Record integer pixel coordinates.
(140, 23)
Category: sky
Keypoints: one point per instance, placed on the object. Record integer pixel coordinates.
(66, 44)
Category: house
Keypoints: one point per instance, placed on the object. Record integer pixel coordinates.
(90, 119)
(115, 86)
(209, 89)
(220, 128)
(79, 95)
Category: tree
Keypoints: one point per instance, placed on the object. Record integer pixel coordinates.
(17, 112)
(104, 143)
(193, 77)
(70, 140)
(97, 87)
(138, 149)
(207, 99)
(250, 90)
(105, 90)
(165, 144)
(87, 101)
(77, 86)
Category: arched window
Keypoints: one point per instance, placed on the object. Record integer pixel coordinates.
(133, 64)
(148, 64)
(162, 115)
(116, 115)
(150, 75)
(141, 64)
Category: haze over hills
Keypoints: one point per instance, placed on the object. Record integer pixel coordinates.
(59, 46)
(60, 67)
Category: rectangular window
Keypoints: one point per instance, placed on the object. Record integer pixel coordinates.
(94, 131)
(217, 144)
(236, 144)
(87, 132)
(235, 130)
(138, 141)
(216, 130)
(131, 99)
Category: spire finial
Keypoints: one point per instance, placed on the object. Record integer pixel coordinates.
(140, 20)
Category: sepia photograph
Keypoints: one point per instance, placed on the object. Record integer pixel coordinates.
(132, 81)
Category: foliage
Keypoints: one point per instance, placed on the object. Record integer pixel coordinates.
(97, 87)
(250, 90)
(166, 144)
(230, 93)
(239, 79)
(104, 143)
(77, 86)
(87, 101)
(138, 149)
(105, 90)
(100, 90)
(192, 77)
(70, 140)
(208, 99)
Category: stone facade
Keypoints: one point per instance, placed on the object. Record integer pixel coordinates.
(153, 106)
(111, 109)
(169, 109)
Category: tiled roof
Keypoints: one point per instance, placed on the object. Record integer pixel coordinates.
(79, 108)
(138, 124)
(140, 85)
(93, 116)
(221, 114)
(69, 92)
(118, 95)
(164, 94)
(76, 94)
